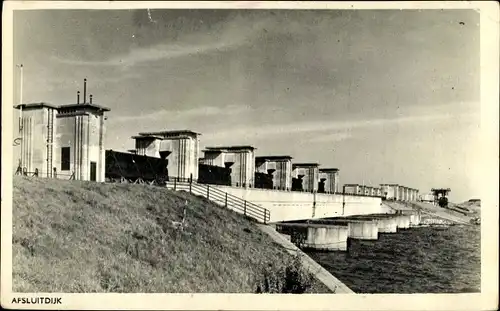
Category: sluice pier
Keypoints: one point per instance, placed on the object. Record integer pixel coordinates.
(332, 234)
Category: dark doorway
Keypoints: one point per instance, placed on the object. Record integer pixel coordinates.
(93, 171)
(65, 159)
(321, 186)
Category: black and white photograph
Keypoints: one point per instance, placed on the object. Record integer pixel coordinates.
(240, 148)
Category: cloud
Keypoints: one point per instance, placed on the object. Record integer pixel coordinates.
(331, 137)
(182, 114)
(270, 131)
(229, 38)
(155, 53)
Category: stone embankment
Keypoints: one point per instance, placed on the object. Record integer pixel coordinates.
(334, 284)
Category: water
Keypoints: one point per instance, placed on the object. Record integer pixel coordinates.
(417, 260)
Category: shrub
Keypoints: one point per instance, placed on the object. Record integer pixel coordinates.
(288, 278)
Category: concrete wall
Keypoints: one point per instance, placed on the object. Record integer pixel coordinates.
(214, 158)
(331, 180)
(415, 219)
(310, 179)
(414, 195)
(363, 190)
(282, 177)
(262, 167)
(367, 190)
(102, 148)
(65, 137)
(96, 151)
(242, 169)
(79, 128)
(395, 189)
(391, 192)
(33, 153)
(293, 205)
(363, 230)
(327, 238)
(84, 135)
(386, 191)
(427, 197)
(387, 225)
(336, 182)
(281, 172)
(148, 146)
(183, 158)
(353, 189)
(403, 222)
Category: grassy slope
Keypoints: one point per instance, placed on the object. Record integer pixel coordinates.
(71, 236)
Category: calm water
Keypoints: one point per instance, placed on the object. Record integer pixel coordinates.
(417, 260)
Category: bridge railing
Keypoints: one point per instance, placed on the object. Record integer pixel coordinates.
(221, 198)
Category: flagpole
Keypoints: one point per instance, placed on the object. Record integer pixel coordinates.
(21, 97)
(20, 125)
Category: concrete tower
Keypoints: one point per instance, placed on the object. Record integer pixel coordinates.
(79, 144)
(64, 141)
(279, 166)
(390, 191)
(241, 160)
(353, 189)
(181, 148)
(36, 130)
(309, 173)
(330, 178)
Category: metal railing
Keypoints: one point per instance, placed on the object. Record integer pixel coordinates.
(221, 198)
(23, 171)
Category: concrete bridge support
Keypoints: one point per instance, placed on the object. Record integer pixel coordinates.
(327, 238)
(316, 236)
(415, 219)
(403, 222)
(363, 230)
(387, 225)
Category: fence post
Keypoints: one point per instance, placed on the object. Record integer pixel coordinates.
(190, 186)
(343, 199)
(245, 207)
(226, 200)
(208, 192)
(175, 184)
(265, 216)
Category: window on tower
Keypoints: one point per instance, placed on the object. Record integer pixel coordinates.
(65, 159)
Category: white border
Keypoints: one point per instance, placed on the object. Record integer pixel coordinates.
(487, 300)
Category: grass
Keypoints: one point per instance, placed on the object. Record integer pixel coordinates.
(74, 237)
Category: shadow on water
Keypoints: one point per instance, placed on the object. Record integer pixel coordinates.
(417, 260)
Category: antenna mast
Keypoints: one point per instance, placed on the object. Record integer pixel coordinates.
(20, 66)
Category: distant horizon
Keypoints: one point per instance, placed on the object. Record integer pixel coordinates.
(384, 96)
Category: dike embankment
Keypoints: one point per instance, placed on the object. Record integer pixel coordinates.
(75, 236)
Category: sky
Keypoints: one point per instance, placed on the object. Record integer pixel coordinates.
(386, 96)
